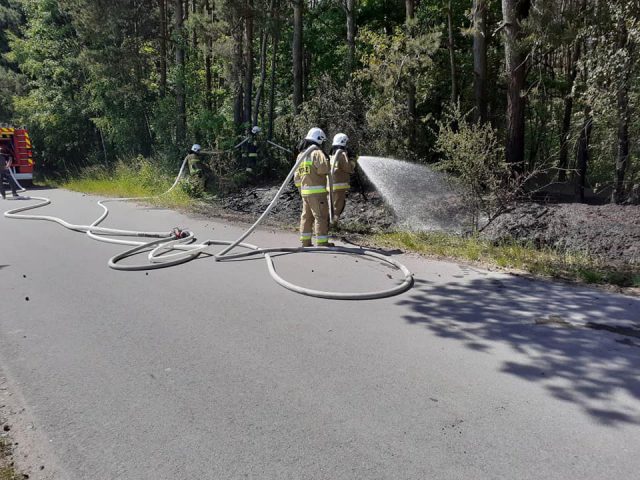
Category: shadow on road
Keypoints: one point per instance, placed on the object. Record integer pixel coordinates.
(575, 340)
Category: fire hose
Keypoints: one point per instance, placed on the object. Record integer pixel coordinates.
(179, 246)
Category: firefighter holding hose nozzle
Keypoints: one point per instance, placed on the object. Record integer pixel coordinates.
(341, 169)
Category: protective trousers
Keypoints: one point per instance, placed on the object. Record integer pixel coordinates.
(315, 215)
(5, 175)
(339, 201)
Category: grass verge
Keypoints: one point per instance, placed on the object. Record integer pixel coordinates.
(547, 262)
(7, 472)
(139, 178)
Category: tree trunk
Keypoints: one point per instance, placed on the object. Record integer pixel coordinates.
(583, 155)
(623, 118)
(248, 60)
(298, 6)
(181, 122)
(572, 72)
(480, 59)
(163, 46)
(237, 67)
(194, 34)
(410, 9)
(275, 9)
(349, 7)
(411, 87)
(263, 73)
(452, 58)
(514, 12)
(207, 62)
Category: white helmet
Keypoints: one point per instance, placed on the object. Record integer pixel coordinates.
(340, 140)
(196, 148)
(316, 135)
(256, 130)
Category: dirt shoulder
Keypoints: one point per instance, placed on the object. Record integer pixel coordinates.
(24, 451)
(608, 232)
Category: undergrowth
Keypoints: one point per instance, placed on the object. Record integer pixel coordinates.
(571, 266)
(138, 178)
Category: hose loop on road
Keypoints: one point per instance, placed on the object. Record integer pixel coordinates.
(174, 248)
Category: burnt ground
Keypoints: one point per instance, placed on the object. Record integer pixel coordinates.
(364, 213)
(609, 232)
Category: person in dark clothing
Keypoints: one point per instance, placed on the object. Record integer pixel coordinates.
(250, 150)
(5, 164)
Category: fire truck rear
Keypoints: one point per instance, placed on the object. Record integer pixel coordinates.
(17, 141)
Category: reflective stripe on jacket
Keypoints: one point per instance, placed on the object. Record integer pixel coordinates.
(312, 173)
(194, 163)
(341, 170)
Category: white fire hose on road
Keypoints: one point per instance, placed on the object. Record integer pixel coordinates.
(177, 246)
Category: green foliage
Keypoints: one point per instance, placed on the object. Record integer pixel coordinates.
(48, 54)
(96, 80)
(473, 152)
(135, 177)
(11, 82)
(335, 109)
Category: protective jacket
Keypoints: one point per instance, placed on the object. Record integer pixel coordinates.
(341, 169)
(312, 177)
(312, 174)
(194, 162)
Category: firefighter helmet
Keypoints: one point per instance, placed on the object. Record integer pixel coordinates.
(340, 140)
(316, 135)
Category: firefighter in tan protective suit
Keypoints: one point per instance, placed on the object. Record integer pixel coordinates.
(341, 169)
(312, 175)
(197, 175)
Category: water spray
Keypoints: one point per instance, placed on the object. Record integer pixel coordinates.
(422, 198)
(179, 246)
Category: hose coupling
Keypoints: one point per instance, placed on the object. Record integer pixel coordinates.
(179, 233)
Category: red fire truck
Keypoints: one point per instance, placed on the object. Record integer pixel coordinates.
(17, 141)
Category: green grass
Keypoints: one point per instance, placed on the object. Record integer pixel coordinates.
(139, 178)
(7, 472)
(546, 262)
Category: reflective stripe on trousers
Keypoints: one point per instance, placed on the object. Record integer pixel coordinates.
(311, 189)
(341, 186)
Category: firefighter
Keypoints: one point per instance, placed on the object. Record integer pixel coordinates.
(250, 151)
(312, 174)
(341, 169)
(5, 164)
(197, 177)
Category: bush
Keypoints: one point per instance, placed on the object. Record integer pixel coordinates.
(474, 155)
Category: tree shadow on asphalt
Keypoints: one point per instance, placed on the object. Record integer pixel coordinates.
(565, 333)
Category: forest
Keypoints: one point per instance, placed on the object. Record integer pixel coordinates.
(540, 90)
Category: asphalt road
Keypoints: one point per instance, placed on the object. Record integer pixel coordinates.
(213, 371)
